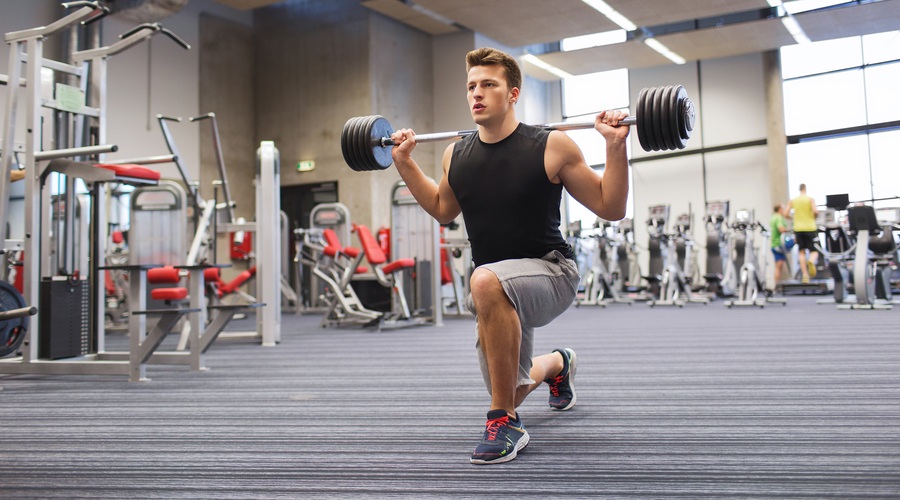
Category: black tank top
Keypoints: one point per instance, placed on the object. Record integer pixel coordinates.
(511, 209)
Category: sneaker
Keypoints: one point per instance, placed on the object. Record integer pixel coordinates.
(503, 438)
(811, 266)
(562, 386)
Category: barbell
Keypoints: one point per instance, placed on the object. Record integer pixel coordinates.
(664, 118)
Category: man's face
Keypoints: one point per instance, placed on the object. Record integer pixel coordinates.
(489, 95)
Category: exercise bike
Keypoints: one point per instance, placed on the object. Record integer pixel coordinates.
(751, 289)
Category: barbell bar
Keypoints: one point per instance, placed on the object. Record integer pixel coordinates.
(664, 117)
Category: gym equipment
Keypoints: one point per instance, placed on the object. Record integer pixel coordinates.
(674, 284)
(14, 315)
(415, 235)
(875, 247)
(721, 274)
(603, 281)
(751, 289)
(664, 119)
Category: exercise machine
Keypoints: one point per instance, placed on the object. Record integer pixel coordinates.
(875, 248)
(751, 289)
(721, 274)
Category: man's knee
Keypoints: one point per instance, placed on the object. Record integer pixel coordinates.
(486, 288)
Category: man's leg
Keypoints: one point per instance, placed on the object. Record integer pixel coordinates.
(499, 334)
(543, 367)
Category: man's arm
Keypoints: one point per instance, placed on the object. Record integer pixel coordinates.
(815, 210)
(604, 195)
(436, 199)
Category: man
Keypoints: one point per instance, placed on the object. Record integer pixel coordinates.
(806, 233)
(507, 180)
(777, 227)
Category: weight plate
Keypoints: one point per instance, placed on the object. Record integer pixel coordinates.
(345, 141)
(12, 331)
(365, 144)
(354, 145)
(656, 114)
(349, 144)
(382, 155)
(641, 123)
(687, 116)
(675, 110)
(668, 120)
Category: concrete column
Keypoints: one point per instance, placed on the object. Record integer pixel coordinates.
(775, 131)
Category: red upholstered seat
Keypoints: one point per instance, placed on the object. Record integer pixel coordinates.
(399, 264)
(135, 171)
(174, 293)
(239, 280)
(375, 255)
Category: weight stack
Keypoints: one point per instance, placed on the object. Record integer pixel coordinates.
(64, 318)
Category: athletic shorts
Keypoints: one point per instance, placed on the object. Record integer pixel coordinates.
(778, 254)
(539, 290)
(806, 240)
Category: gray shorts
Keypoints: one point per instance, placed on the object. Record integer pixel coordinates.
(539, 290)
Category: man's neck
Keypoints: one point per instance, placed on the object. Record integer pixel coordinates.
(492, 133)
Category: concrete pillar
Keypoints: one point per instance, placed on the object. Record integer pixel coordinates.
(776, 137)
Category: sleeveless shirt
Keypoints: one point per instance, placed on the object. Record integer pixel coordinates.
(804, 219)
(510, 207)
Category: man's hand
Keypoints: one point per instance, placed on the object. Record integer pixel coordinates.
(607, 123)
(404, 143)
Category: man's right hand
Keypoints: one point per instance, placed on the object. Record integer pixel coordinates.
(404, 143)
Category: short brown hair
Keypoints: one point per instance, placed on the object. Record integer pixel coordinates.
(487, 56)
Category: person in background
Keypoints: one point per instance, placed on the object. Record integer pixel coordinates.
(803, 211)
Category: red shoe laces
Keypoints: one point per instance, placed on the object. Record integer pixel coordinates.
(493, 426)
(554, 387)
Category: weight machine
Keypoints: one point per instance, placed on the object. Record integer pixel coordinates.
(68, 336)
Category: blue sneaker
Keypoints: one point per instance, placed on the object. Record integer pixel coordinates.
(503, 438)
(562, 386)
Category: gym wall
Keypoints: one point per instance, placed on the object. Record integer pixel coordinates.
(732, 114)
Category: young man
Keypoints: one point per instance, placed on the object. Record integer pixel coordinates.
(806, 232)
(777, 228)
(507, 181)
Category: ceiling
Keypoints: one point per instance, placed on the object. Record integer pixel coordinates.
(693, 29)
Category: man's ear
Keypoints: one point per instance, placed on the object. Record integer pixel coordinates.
(514, 94)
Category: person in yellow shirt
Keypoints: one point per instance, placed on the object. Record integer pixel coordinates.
(803, 210)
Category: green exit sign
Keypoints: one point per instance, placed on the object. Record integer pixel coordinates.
(306, 166)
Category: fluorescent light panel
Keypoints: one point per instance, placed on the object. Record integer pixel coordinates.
(613, 15)
(533, 59)
(665, 51)
(593, 40)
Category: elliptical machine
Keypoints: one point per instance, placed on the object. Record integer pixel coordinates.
(721, 274)
(603, 282)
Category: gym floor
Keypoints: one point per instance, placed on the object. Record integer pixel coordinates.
(795, 401)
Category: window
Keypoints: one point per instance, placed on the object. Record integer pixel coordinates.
(843, 93)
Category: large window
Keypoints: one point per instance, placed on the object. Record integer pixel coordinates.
(583, 97)
(842, 104)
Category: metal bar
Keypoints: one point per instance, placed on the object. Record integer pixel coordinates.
(446, 136)
(72, 152)
(148, 160)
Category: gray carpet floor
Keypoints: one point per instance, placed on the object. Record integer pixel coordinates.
(801, 401)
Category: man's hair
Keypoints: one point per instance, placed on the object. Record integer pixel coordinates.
(487, 56)
(777, 208)
(802, 187)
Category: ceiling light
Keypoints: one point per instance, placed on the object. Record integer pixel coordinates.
(532, 59)
(613, 15)
(665, 51)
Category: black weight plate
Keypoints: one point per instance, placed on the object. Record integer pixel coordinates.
(355, 148)
(641, 124)
(650, 128)
(382, 155)
(345, 140)
(674, 107)
(688, 115)
(352, 160)
(669, 122)
(655, 105)
(365, 146)
(12, 331)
